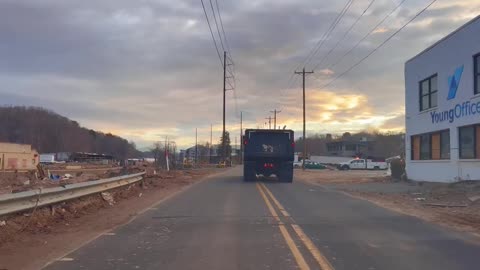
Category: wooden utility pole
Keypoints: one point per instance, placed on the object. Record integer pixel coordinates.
(269, 122)
(304, 156)
(224, 91)
(196, 147)
(241, 137)
(275, 118)
(210, 149)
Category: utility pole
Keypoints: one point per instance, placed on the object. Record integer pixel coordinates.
(241, 137)
(196, 147)
(275, 118)
(304, 156)
(210, 149)
(167, 144)
(224, 91)
(269, 122)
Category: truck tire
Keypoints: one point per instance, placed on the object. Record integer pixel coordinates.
(248, 173)
(345, 168)
(376, 168)
(285, 173)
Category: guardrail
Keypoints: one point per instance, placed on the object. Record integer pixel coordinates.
(17, 202)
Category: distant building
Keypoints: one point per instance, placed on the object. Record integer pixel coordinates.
(205, 154)
(18, 157)
(91, 158)
(350, 148)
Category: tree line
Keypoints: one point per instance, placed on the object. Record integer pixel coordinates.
(49, 132)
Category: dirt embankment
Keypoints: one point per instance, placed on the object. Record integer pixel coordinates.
(13, 182)
(455, 205)
(334, 176)
(50, 232)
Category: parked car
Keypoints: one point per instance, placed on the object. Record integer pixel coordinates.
(309, 165)
(298, 164)
(315, 165)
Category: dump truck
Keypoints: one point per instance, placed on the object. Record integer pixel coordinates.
(268, 152)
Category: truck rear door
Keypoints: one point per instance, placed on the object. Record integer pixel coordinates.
(268, 144)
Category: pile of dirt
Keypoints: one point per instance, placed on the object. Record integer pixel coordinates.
(82, 165)
(334, 176)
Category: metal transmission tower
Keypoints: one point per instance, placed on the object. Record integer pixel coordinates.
(303, 72)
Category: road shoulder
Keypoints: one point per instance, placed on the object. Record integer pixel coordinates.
(50, 239)
(447, 205)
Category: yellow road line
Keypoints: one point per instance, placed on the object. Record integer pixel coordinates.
(275, 201)
(321, 260)
(302, 264)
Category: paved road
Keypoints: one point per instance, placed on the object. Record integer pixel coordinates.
(224, 223)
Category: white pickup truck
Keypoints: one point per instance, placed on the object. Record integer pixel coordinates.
(363, 164)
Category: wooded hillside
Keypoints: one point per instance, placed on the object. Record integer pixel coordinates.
(49, 132)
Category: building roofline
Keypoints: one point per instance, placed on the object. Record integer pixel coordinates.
(444, 38)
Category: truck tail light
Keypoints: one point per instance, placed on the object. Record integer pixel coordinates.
(245, 142)
(268, 165)
(293, 144)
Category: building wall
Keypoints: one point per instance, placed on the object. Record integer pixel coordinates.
(17, 157)
(443, 59)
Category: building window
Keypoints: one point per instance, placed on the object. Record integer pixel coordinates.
(476, 73)
(431, 146)
(445, 144)
(469, 141)
(351, 147)
(425, 147)
(428, 93)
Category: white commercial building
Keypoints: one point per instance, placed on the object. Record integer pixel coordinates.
(443, 108)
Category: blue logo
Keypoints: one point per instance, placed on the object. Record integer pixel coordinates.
(453, 82)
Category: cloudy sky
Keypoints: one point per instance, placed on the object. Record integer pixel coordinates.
(147, 69)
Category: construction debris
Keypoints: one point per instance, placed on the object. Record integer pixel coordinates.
(474, 198)
(107, 196)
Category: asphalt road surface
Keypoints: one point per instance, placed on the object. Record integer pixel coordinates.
(224, 223)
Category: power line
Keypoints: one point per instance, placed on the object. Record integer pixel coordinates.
(223, 30)
(344, 35)
(329, 32)
(320, 41)
(231, 68)
(216, 25)
(381, 45)
(231, 65)
(211, 32)
(368, 34)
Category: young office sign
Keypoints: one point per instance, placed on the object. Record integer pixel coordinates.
(460, 110)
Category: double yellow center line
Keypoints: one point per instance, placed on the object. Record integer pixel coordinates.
(316, 254)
